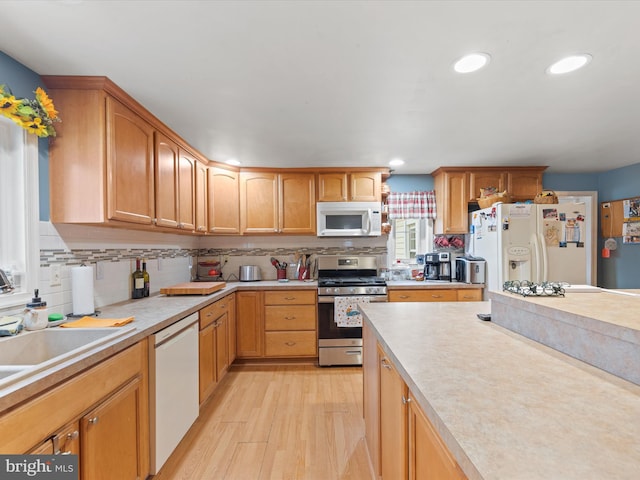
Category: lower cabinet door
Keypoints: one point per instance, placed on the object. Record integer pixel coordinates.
(206, 362)
(393, 421)
(110, 440)
(429, 458)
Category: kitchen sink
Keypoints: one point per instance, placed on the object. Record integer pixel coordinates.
(31, 352)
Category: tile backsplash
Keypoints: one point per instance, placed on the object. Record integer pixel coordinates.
(112, 253)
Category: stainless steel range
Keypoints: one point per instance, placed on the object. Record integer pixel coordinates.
(344, 276)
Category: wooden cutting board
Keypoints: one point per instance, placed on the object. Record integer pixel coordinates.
(193, 288)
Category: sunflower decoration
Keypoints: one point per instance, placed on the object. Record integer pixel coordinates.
(36, 116)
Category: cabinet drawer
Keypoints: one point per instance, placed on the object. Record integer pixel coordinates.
(290, 344)
(294, 317)
(427, 295)
(470, 295)
(290, 297)
(209, 313)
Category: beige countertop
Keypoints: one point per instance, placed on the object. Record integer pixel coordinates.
(150, 315)
(506, 406)
(428, 284)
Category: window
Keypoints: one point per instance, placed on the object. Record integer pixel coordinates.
(19, 233)
(408, 238)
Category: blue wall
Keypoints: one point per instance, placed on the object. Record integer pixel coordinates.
(410, 183)
(622, 268)
(23, 83)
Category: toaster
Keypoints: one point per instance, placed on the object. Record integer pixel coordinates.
(470, 269)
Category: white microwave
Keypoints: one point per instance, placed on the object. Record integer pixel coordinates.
(349, 219)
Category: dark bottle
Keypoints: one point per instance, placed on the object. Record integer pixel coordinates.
(137, 278)
(146, 277)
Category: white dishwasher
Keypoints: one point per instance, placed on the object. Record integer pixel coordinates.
(173, 391)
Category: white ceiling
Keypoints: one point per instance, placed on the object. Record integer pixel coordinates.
(356, 83)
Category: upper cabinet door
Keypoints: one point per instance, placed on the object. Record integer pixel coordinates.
(365, 187)
(166, 182)
(297, 203)
(332, 187)
(258, 202)
(129, 165)
(223, 201)
(484, 179)
(201, 197)
(186, 190)
(524, 185)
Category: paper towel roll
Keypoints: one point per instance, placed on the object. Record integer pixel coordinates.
(82, 290)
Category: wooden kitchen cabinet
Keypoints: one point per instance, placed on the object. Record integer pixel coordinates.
(290, 323)
(479, 178)
(451, 202)
(231, 330)
(429, 457)
(393, 420)
(353, 187)
(213, 342)
(110, 438)
(258, 202)
(426, 295)
(175, 171)
(223, 201)
(250, 324)
(371, 396)
(277, 203)
(524, 184)
(201, 196)
(401, 440)
(469, 295)
(456, 187)
(115, 392)
(297, 203)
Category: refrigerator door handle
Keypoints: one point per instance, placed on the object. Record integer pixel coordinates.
(537, 252)
(542, 248)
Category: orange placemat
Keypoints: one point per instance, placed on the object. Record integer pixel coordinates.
(93, 322)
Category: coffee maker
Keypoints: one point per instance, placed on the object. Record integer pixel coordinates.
(444, 266)
(431, 266)
(437, 266)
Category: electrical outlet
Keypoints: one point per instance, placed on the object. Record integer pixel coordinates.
(99, 270)
(55, 275)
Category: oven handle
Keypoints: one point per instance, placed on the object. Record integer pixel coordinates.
(372, 298)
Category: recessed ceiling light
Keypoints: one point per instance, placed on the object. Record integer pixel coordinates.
(396, 162)
(569, 64)
(471, 63)
(233, 161)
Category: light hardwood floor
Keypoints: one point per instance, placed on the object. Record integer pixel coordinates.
(277, 422)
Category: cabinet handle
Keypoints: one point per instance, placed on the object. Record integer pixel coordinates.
(290, 344)
(180, 225)
(93, 420)
(385, 364)
(73, 435)
(289, 298)
(404, 296)
(290, 318)
(154, 221)
(405, 400)
(201, 229)
(436, 296)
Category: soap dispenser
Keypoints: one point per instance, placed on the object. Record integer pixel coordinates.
(36, 315)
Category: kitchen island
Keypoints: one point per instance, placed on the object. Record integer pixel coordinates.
(507, 407)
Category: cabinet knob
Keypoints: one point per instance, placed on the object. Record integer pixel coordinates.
(290, 344)
(405, 400)
(73, 435)
(385, 364)
(289, 318)
(436, 296)
(289, 298)
(93, 420)
(404, 296)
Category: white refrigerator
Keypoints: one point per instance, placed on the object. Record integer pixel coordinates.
(535, 242)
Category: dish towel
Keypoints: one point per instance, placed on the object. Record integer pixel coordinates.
(346, 312)
(93, 322)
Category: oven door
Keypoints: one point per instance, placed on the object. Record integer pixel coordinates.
(338, 345)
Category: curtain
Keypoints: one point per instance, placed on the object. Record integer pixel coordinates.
(412, 205)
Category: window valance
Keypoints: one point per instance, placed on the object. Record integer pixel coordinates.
(412, 205)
